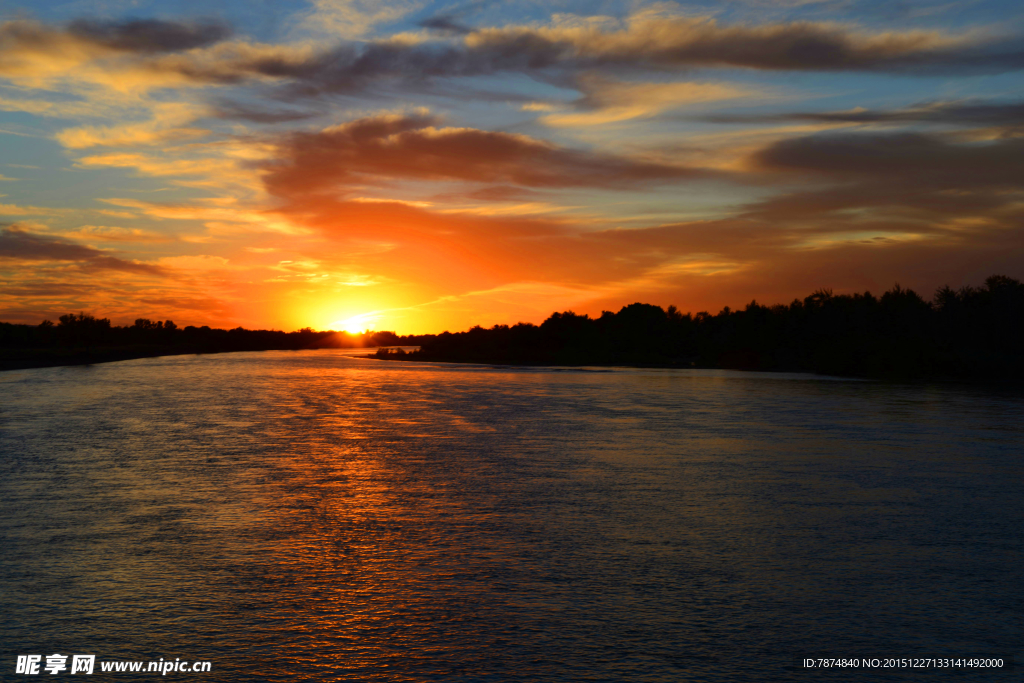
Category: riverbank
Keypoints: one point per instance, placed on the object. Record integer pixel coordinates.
(1006, 380)
(24, 359)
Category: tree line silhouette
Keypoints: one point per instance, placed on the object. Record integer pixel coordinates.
(81, 338)
(974, 333)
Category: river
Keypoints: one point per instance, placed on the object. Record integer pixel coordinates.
(293, 516)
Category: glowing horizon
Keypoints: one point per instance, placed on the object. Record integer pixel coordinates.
(421, 167)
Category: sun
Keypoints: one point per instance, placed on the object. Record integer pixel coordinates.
(355, 324)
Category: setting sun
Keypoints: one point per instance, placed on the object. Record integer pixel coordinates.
(356, 324)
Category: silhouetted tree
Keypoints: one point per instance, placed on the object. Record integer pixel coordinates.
(966, 333)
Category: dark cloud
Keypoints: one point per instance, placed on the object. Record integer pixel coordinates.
(258, 114)
(923, 180)
(22, 34)
(502, 193)
(46, 290)
(149, 35)
(188, 304)
(1009, 114)
(342, 69)
(911, 158)
(805, 46)
(411, 147)
(18, 244)
(445, 23)
(450, 21)
(490, 193)
(560, 54)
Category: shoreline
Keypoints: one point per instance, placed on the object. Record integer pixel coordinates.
(1005, 382)
(85, 357)
(54, 360)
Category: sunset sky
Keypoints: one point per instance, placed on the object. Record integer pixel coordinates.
(418, 166)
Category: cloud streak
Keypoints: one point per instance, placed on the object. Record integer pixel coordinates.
(19, 244)
(23, 42)
(1001, 114)
(642, 44)
(610, 101)
(149, 35)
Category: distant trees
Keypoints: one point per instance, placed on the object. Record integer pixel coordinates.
(970, 333)
(79, 329)
(86, 332)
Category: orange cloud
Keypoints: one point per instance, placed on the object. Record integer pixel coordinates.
(32, 50)
(703, 41)
(381, 148)
(105, 233)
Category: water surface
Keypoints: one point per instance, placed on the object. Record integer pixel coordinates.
(315, 516)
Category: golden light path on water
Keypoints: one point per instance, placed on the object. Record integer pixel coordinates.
(315, 516)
